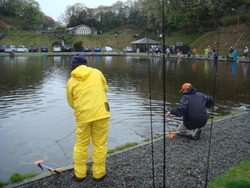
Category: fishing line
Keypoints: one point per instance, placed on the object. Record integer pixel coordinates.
(61, 147)
(151, 122)
(29, 158)
(214, 93)
(164, 93)
(150, 103)
(211, 126)
(66, 136)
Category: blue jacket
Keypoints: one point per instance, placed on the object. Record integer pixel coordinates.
(193, 108)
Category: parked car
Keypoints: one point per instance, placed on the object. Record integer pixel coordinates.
(128, 49)
(66, 48)
(86, 49)
(10, 48)
(2, 48)
(33, 49)
(96, 49)
(107, 49)
(44, 48)
(22, 48)
(57, 48)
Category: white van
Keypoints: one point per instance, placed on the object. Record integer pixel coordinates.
(57, 48)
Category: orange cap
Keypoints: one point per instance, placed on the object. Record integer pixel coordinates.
(185, 86)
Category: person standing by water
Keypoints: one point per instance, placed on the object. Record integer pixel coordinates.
(193, 110)
(86, 94)
(231, 51)
(213, 51)
(194, 51)
(246, 51)
(206, 52)
(168, 52)
(209, 51)
(235, 54)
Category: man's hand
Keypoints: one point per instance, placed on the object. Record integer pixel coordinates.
(167, 114)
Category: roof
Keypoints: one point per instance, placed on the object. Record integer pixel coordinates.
(71, 28)
(145, 41)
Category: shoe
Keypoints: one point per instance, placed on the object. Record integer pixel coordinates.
(76, 179)
(197, 135)
(99, 179)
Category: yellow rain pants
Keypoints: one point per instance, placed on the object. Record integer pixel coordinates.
(98, 131)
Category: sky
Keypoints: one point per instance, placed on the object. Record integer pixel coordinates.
(54, 8)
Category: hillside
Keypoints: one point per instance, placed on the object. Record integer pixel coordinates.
(6, 23)
(228, 37)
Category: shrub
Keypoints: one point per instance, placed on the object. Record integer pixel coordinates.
(78, 46)
(16, 177)
(229, 20)
(56, 42)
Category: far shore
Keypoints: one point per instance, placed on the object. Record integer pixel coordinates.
(145, 54)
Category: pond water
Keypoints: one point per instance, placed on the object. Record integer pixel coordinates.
(36, 122)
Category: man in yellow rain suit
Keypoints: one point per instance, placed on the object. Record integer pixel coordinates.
(86, 94)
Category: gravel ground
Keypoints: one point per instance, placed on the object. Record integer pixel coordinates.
(186, 160)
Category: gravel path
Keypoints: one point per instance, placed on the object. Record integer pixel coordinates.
(186, 160)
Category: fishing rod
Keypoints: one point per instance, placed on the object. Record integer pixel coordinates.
(170, 132)
(39, 164)
(164, 93)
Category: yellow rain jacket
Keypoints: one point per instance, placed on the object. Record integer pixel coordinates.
(86, 94)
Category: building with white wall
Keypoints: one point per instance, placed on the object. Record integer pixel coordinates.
(81, 30)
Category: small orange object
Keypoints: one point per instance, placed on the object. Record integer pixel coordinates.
(171, 135)
(57, 170)
(37, 162)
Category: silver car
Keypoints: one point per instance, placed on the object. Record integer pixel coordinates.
(22, 48)
(128, 49)
(107, 49)
(10, 48)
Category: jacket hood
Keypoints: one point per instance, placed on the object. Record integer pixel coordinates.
(82, 72)
(190, 91)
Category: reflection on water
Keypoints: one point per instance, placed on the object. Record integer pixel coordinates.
(36, 121)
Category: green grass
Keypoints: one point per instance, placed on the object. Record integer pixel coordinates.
(127, 145)
(237, 177)
(201, 39)
(229, 115)
(122, 147)
(17, 177)
(147, 140)
(187, 39)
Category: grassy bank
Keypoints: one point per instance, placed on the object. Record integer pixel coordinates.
(117, 42)
(236, 177)
(226, 38)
